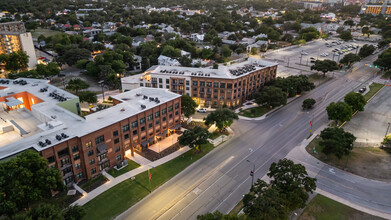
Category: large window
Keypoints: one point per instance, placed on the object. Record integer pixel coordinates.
(92, 161)
(100, 139)
(142, 121)
(63, 152)
(176, 105)
(76, 156)
(164, 111)
(195, 83)
(91, 152)
(88, 145)
(150, 117)
(216, 85)
(169, 108)
(222, 85)
(115, 133)
(93, 171)
(80, 175)
(134, 124)
(75, 149)
(125, 128)
(117, 149)
(202, 83)
(77, 166)
(157, 114)
(118, 157)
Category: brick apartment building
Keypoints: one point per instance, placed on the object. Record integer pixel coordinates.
(82, 147)
(228, 85)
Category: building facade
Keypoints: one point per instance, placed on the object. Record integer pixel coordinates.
(13, 37)
(82, 147)
(226, 86)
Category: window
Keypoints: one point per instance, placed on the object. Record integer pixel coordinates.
(170, 116)
(115, 133)
(222, 85)
(75, 149)
(135, 132)
(116, 141)
(118, 157)
(221, 90)
(93, 171)
(157, 114)
(126, 136)
(164, 111)
(229, 85)
(117, 149)
(160, 80)
(77, 166)
(187, 88)
(65, 161)
(91, 152)
(150, 117)
(100, 139)
(51, 159)
(167, 81)
(167, 87)
(195, 83)
(161, 86)
(88, 145)
(76, 156)
(142, 128)
(92, 161)
(187, 82)
(63, 152)
(134, 124)
(176, 105)
(157, 122)
(216, 85)
(176, 113)
(142, 121)
(240, 83)
(235, 85)
(209, 84)
(80, 175)
(202, 83)
(164, 118)
(169, 108)
(150, 125)
(125, 128)
(141, 84)
(195, 89)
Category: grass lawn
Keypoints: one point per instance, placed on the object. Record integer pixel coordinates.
(373, 89)
(217, 134)
(92, 184)
(237, 208)
(255, 111)
(323, 208)
(122, 196)
(44, 32)
(368, 162)
(131, 165)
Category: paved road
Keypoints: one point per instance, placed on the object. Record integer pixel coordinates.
(220, 179)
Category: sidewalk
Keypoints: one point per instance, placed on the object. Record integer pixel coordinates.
(114, 181)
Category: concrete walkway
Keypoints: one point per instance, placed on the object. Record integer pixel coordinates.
(139, 159)
(80, 190)
(108, 176)
(114, 181)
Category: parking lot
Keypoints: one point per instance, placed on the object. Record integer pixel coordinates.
(370, 126)
(295, 60)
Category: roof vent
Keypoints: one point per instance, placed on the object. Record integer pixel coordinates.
(145, 97)
(143, 106)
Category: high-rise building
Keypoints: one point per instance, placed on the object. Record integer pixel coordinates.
(13, 37)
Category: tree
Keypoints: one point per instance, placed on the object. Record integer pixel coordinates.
(185, 61)
(195, 137)
(222, 117)
(349, 59)
(308, 103)
(346, 35)
(265, 202)
(73, 55)
(349, 23)
(16, 61)
(366, 50)
(324, 66)
(356, 101)
(74, 212)
(339, 112)
(225, 51)
(293, 181)
(188, 105)
(365, 30)
(272, 96)
(26, 179)
(384, 59)
(45, 211)
(336, 141)
(88, 96)
(50, 69)
(219, 216)
(76, 85)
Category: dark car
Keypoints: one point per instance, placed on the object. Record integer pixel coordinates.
(363, 89)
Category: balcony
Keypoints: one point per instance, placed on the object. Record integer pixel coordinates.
(67, 175)
(67, 165)
(103, 160)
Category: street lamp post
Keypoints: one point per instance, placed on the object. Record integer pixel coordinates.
(252, 172)
(103, 93)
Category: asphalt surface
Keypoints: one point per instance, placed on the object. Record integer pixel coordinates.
(219, 180)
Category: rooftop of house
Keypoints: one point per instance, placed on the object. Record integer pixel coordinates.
(35, 114)
(233, 71)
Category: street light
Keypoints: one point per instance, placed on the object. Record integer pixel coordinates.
(101, 83)
(252, 173)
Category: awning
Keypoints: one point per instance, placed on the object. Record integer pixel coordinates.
(160, 135)
(144, 143)
(151, 139)
(14, 103)
(175, 127)
(101, 148)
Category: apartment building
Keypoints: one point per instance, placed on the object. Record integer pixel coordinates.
(36, 115)
(229, 85)
(13, 37)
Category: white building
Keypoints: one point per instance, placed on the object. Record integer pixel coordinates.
(197, 37)
(167, 61)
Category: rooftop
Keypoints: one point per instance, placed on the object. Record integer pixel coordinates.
(35, 114)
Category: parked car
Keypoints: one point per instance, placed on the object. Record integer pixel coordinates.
(363, 89)
(304, 53)
(201, 110)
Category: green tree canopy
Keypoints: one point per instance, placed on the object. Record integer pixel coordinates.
(308, 103)
(73, 55)
(356, 101)
(222, 117)
(272, 96)
(88, 96)
(76, 85)
(336, 141)
(293, 181)
(346, 35)
(188, 105)
(16, 61)
(324, 66)
(349, 59)
(384, 59)
(26, 179)
(195, 137)
(366, 50)
(340, 111)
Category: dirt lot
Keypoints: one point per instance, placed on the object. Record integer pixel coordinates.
(372, 163)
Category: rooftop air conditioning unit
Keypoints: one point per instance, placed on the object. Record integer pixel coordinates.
(143, 106)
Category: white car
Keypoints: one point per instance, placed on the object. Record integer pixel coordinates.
(201, 110)
(304, 53)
